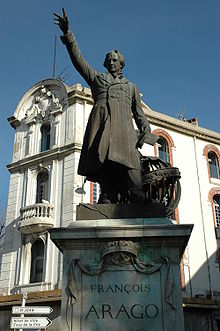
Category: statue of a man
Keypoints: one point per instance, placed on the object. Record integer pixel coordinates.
(109, 153)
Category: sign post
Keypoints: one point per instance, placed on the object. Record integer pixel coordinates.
(30, 322)
(32, 310)
(23, 305)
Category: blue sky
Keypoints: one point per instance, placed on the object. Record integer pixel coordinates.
(171, 48)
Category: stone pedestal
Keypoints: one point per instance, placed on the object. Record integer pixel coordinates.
(122, 274)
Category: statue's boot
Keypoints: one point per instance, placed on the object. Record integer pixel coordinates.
(107, 198)
(135, 186)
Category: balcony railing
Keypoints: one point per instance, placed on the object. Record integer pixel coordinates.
(36, 218)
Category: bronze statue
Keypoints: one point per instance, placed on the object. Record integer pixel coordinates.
(110, 148)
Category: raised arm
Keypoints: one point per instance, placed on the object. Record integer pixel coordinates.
(68, 38)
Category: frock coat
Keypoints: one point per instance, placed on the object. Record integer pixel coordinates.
(110, 133)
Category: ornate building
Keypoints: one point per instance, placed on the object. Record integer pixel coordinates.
(44, 190)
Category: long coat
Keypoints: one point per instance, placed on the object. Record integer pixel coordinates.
(110, 132)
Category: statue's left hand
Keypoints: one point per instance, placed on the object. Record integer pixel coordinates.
(62, 21)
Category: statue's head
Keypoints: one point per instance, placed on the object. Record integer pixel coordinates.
(114, 62)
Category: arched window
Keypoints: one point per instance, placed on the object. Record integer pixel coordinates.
(216, 207)
(42, 186)
(164, 145)
(163, 149)
(212, 154)
(45, 137)
(213, 165)
(37, 261)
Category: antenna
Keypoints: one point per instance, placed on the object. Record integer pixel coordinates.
(54, 57)
(62, 77)
(180, 114)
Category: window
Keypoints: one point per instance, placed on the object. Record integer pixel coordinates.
(42, 186)
(213, 165)
(164, 145)
(216, 206)
(45, 137)
(163, 149)
(212, 155)
(94, 192)
(214, 199)
(37, 261)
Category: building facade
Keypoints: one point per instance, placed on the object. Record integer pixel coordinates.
(44, 190)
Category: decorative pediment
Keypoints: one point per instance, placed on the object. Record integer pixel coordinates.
(45, 98)
(43, 105)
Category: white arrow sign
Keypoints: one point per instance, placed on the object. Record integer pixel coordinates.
(32, 310)
(29, 322)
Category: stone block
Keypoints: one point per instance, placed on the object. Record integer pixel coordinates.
(67, 179)
(6, 267)
(5, 275)
(68, 185)
(122, 274)
(69, 158)
(117, 211)
(67, 218)
(69, 171)
(68, 206)
(68, 192)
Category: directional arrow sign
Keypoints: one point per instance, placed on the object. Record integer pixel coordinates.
(29, 322)
(32, 310)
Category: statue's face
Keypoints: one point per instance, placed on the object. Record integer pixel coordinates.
(113, 64)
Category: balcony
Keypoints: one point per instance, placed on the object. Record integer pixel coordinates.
(36, 218)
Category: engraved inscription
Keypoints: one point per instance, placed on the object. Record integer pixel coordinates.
(135, 311)
(121, 300)
(120, 288)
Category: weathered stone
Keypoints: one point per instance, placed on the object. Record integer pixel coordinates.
(113, 211)
(122, 274)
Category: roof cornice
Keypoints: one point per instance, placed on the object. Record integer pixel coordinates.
(46, 156)
(182, 127)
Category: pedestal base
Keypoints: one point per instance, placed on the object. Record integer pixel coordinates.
(122, 274)
(87, 211)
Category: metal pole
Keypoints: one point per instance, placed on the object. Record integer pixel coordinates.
(203, 221)
(23, 305)
(54, 56)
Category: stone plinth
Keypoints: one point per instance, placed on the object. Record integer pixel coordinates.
(117, 211)
(122, 274)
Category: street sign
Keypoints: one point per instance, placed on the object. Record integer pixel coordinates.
(29, 322)
(32, 310)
